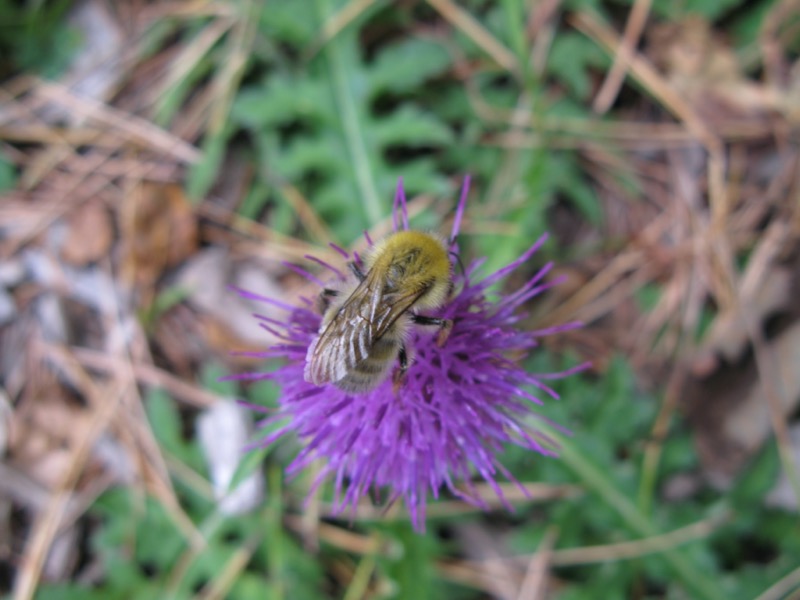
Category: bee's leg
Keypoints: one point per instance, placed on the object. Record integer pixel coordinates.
(445, 326)
(399, 376)
(324, 299)
(357, 271)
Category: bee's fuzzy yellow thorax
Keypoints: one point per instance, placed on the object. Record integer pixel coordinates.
(414, 259)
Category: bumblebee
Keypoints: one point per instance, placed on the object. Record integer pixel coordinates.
(366, 324)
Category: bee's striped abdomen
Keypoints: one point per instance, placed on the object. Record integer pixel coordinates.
(368, 374)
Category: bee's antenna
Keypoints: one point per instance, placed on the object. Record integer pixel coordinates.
(457, 258)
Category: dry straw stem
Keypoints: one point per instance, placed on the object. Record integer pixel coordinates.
(768, 375)
(603, 292)
(344, 539)
(658, 434)
(783, 588)
(462, 20)
(643, 71)
(359, 583)
(476, 573)
(146, 374)
(31, 494)
(198, 545)
(336, 23)
(536, 492)
(574, 134)
(541, 29)
(135, 129)
(240, 43)
(534, 585)
(105, 402)
(187, 8)
(190, 55)
(306, 214)
(218, 588)
(502, 578)
(270, 244)
(132, 427)
(468, 575)
(482, 574)
(614, 78)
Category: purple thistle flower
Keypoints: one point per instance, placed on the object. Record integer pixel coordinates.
(458, 406)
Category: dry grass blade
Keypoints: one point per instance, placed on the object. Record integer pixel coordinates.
(477, 33)
(638, 548)
(633, 32)
(344, 539)
(271, 244)
(240, 43)
(534, 585)
(784, 589)
(138, 130)
(336, 23)
(359, 583)
(481, 574)
(311, 221)
(775, 394)
(644, 72)
(48, 521)
(467, 574)
(191, 54)
(537, 492)
(147, 374)
(228, 573)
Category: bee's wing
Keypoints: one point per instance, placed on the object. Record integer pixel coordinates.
(363, 318)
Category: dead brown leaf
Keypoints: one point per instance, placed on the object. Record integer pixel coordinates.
(90, 234)
(158, 229)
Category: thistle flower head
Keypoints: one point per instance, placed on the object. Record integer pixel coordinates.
(459, 404)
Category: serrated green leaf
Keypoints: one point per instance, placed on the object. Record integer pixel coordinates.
(321, 155)
(570, 59)
(412, 127)
(280, 100)
(403, 66)
(290, 22)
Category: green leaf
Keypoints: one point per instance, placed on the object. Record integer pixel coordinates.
(164, 420)
(711, 9)
(413, 571)
(211, 379)
(280, 100)
(249, 464)
(289, 22)
(412, 127)
(759, 478)
(404, 66)
(569, 61)
(203, 173)
(8, 175)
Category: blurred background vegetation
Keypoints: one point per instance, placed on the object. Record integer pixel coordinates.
(153, 153)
